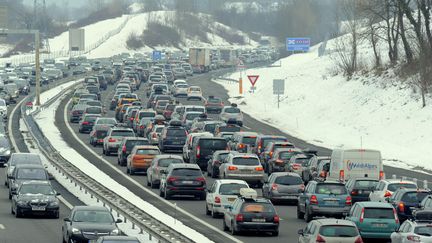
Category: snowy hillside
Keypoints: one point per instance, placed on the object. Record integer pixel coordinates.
(323, 108)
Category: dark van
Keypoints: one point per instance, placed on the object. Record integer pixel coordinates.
(203, 149)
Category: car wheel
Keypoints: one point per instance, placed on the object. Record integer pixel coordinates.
(209, 173)
(275, 233)
(214, 214)
(127, 170)
(308, 215)
(233, 231)
(166, 195)
(300, 214)
(10, 195)
(108, 153)
(153, 185)
(131, 171)
(17, 213)
(5, 183)
(12, 211)
(148, 181)
(225, 227)
(208, 212)
(103, 151)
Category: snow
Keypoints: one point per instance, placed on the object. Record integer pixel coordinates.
(4, 48)
(323, 108)
(46, 121)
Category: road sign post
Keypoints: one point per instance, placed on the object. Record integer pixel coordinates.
(278, 88)
(253, 79)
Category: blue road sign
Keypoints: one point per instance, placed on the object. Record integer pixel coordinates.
(298, 44)
(157, 55)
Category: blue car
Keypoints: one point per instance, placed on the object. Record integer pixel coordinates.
(323, 198)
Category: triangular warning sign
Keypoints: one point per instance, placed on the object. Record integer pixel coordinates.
(253, 79)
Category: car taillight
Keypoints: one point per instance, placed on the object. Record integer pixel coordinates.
(348, 201)
(171, 179)
(276, 219)
(296, 166)
(216, 162)
(274, 187)
(232, 167)
(319, 239)
(131, 119)
(142, 127)
(154, 135)
(217, 200)
(201, 179)
(85, 123)
(124, 149)
(387, 194)
(198, 152)
(222, 104)
(240, 146)
(413, 238)
(259, 168)
(362, 216)
(112, 140)
(342, 175)
(271, 154)
(381, 175)
(313, 199)
(239, 217)
(401, 207)
(358, 240)
(395, 216)
(354, 192)
(302, 187)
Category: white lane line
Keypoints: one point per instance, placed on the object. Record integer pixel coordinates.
(65, 202)
(10, 121)
(2, 227)
(139, 185)
(247, 127)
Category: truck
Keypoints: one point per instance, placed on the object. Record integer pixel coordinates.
(199, 59)
(228, 57)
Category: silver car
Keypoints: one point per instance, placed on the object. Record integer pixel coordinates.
(158, 166)
(231, 114)
(243, 167)
(113, 139)
(283, 187)
(330, 230)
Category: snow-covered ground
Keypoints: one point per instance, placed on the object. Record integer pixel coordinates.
(324, 108)
(4, 48)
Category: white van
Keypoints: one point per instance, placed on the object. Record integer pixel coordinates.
(355, 163)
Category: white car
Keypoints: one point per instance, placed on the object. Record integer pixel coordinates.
(231, 113)
(180, 89)
(221, 195)
(413, 231)
(329, 230)
(189, 141)
(385, 188)
(194, 92)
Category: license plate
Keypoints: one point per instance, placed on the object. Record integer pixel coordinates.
(35, 208)
(258, 220)
(188, 182)
(231, 199)
(380, 225)
(176, 142)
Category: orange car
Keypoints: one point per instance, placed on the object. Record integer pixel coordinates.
(140, 158)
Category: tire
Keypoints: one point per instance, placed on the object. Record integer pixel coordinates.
(17, 214)
(131, 171)
(214, 214)
(12, 212)
(300, 214)
(153, 185)
(225, 227)
(10, 195)
(166, 196)
(148, 182)
(208, 212)
(275, 233)
(233, 231)
(161, 193)
(308, 216)
(127, 170)
(103, 151)
(107, 153)
(56, 215)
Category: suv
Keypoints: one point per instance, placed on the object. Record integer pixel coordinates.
(244, 167)
(249, 213)
(126, 146)
(221, 195)
(183, 179)
(158, 166)
(283, 187)
(385, 188)
(203, 149)
(214, 104)
(215, 162)
(405, 200)
(98, 134)
(172, 137)
(191, 137)
(327, 198)
(112, 141)
(26, 172)
(280, 159)
(263, 140)
(243, 142)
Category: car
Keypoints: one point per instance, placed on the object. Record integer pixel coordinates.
(194, 93)
(188, 117)
(187, 147)
(226, 135)
(87, 122)
(112, 140)
(93, 103)
(281, 158)
(129, 115)
(214, 104)
(141, 128)
(426, 204)
(76, 113)
(5, 150)
(263, 140)
(283, 187)
(221, 194)
(323, 198)
(120, 111)
(93, 89)
(330, 230)
(160, 106)
(154, 134)
(77, 94)
(26, 172)
(385, 188)
(180, 90)
(35, 197)
(297, 163)
(218, 158)
(126, 146)
(97, 134)
(18, 159)
(158, 166)
(119, 239)
(168, 110)
(89, 96)
(183, 179)
(210, 126)
(244, 167)
(249, 213)
(5, 95)
(140, 158)
(418, 230)
(202, 150)
(375, 220)
(405, 200)
(173, 137)
(107, 121)
(243, 142)
(231, 112)
(360, 188)
(179, 73)
(84, 219)
(268, 151)
(311, 171)
(140, 115)
(224, 127)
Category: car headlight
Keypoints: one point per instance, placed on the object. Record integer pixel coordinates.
(54, 203)
(115, 232)
(76, 231)
(20, 202)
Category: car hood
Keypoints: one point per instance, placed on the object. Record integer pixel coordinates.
(92, 227)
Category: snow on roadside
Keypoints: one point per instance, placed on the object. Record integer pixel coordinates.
(332, 112)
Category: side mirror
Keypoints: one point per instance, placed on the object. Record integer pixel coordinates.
(300, 232)
(66, 220)
(119, 221)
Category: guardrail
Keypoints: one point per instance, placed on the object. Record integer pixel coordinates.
(139, 218)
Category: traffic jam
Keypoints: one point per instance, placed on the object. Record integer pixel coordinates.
(186, 143)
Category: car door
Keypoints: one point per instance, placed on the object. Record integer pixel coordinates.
(210, 195)
(266, 186)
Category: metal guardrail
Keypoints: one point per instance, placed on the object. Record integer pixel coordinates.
(139, 218)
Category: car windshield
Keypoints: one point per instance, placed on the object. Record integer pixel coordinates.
(147, 152)
(90, 118)
(414, 197)
(288, 180)
(255, 207)
(122, 133)
(168, 161)
(335, 189)
(287, 155)
(379, 213)
(215, 144)
(31, 174)
(120, 241)
(146, 114)
(94, 110)
(214, 100)
(183, 86)
(93, 103)
(176, 133)
(232, 110)
(36, 189)
(159, 129)
(338, 231)
(394, 186)
(423, 230)
(365, 184)
(199, 109)
(132, 143)
(186, 172)
(93, 217)
(246, 161)
(231, 188)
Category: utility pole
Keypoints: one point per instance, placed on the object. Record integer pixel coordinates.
(37, 64)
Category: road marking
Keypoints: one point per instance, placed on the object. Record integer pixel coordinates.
(247, 127)
(10, 120)
(139, 185)
(65, 202)
(2, 227)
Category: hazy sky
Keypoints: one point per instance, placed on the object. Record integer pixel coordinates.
(72, 3)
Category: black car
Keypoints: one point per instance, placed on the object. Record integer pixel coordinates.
(203, 149)
(87, 223)
(360, 188)
(126, 146)
(183, 179)
(35, 197)
(92, 89)
(172, 138)
(406, 200)
(26, 172)
(87, 122)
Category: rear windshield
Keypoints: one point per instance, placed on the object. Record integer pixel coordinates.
(229, 129)
(162, 103)
(214, 100)
(210, 127)
(231, 189)
(31, 174)
(176, 133)
(338, 231)
(414, 197)
(25, 159)
(288, 180)
(168, 161)
(232, 110)
(120, 133)
(423, 230)
(335, 189)
(394, 186)
(131, 143)
(215, 144)
(379, 213)
(170, 107)
(148, 151)
(146, 114)
(268, 140)
(107, 121)
(90, 118)
(366, 184)
(94, 110)
(246, 161)
(222, 156)
(302, 161)
(249, 140)
(257, 208)
(159, 129)
(192, 116)
(287, 155)
(186, 172)
(101, 134)
(199, 109)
